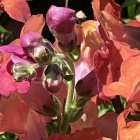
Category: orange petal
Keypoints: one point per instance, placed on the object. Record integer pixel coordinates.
(34, 24)
(13, 114)
(130, 130)
(17, 9)
(106, 5)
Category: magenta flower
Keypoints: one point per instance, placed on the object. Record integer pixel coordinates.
(17, 72)
(60, 19)
(30, 39)
(61, 22)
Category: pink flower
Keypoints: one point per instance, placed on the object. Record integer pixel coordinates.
(61, 22)
(60, 19)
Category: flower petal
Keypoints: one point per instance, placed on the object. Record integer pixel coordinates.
(15, 9)
(13, 114)
(34, 24)
(108, 6)
(23, 87)
(35, 127)
(11, 49)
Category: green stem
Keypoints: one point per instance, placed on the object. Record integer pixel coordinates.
(59, 122)
(69, 98)
(69, 101)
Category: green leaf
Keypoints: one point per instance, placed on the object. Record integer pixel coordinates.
(52, 127)
(3, 30)
(81, 102)
(75, 114)
(75, 54)
(131, 11)
(127, 3)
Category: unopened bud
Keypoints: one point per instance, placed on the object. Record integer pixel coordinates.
(52, 78)
(23, 71)
(53, 85)
(42, 55)
(88, 85)
(19, 77)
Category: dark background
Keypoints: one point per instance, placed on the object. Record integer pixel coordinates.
(41, 6)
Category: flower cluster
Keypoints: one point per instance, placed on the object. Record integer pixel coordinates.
(85, 85)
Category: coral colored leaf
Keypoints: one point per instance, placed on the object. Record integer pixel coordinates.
(106, 5)
(107, 125)
(37, 96)
(128, 85)
(88, 133)
(35, 127)
(4, 57)
(128, 130)
(134, 23)
(15, 42)
(34, 24)
(79, 33)
(88, 118)
(13, 114)
(17, 9)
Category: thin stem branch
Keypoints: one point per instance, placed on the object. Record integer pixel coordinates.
(69, 98)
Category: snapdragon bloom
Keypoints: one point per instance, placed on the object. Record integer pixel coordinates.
(61, 22)
(19, 66)
(60, 19)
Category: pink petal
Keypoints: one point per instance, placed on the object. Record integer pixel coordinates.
(11, 49)
(23, 87)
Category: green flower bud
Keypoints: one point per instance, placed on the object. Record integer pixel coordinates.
(23, 71)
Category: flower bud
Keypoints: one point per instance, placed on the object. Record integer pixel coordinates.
(61, 22)
(30, 39)
(42, 55)
(23, 71)
(88, 85)
(52, 78)
(61, 19)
